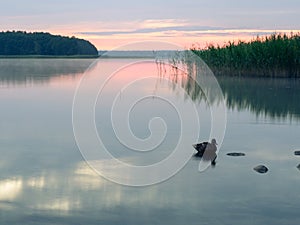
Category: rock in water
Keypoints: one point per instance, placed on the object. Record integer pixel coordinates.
(236, 154)
(297, 152)
(298, 167)
(261, 169)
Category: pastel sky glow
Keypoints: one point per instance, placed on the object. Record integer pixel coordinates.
(109, 24)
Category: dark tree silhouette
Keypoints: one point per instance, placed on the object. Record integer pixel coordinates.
(39, 43)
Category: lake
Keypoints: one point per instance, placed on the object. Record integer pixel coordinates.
(50, 162)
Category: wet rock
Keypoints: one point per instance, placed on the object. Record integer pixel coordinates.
(236, 154)
(261, 169)
(297, 152)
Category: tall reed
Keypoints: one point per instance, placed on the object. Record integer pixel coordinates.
(277, 55)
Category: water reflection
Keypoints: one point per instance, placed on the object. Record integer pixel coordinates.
(274, 98)
(36, 182)
(68, 191)
(10, 189)
(61, 205)
(28, 72)
(262, 96)
(45, 180)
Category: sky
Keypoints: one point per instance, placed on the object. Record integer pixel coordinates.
(113, 23)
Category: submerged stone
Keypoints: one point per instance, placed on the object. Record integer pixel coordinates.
(261, 169)
(297, 152)
(298, 167)
(236, 154)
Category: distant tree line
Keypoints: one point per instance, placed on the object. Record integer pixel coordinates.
(277, 55)
(40, 43)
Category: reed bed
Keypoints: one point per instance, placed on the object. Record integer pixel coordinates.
(277, 55)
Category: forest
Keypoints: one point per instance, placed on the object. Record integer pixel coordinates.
(21, 43)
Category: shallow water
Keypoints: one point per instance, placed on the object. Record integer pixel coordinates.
(44, 179)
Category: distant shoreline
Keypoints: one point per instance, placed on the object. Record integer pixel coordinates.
(71, 57)
(126, 54)
(48, 56)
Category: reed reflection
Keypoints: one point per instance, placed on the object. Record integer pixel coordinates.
(274, 98)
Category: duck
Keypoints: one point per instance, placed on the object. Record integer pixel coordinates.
(202, 147)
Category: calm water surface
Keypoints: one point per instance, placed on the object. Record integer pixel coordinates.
(45, 180)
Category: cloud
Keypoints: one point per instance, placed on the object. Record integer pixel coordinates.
(187, 31)
(171, 28)
(150, 30)
(182, 32)
(163, 26)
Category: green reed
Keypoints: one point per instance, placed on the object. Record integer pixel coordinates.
(277, 55)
